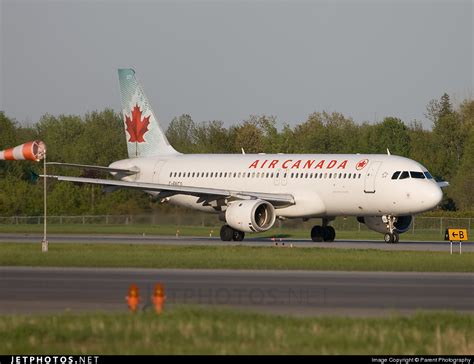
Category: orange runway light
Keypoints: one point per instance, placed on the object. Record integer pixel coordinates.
(133, 298)
(158, 297)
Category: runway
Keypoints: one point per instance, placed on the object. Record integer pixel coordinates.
(26, 290)
(173, 240)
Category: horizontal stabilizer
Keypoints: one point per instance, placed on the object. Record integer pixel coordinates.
(95, 168)
(442, 184)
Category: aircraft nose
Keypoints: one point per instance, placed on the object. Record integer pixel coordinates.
(433, 195)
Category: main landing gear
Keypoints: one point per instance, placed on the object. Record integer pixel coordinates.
(323, 233)
(228, 234)
(392, 236)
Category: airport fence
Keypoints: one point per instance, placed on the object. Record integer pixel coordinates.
(419, 224)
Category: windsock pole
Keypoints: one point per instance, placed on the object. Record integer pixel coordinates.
(44, 243)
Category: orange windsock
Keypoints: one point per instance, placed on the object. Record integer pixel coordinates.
(31, 151)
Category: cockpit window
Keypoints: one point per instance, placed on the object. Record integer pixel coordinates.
(404, 175)
(417, 175)
(428, 175)
(395, 175)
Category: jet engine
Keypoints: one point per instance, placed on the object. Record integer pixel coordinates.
(250, 215)
(380, 223)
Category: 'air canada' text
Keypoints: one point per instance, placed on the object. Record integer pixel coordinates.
(299, 163)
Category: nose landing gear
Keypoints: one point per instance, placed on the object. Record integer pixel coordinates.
(392, 236)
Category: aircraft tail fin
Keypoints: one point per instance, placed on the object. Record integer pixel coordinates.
(143, 132)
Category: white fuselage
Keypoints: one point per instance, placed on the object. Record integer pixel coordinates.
(321, 184)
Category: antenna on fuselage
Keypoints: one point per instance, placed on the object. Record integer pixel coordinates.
(243, 151)
(388, 151)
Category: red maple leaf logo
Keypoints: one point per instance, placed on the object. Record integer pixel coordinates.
(136, 127)
(362, 164)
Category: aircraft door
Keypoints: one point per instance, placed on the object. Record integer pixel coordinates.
(369, 183)
(156, 171)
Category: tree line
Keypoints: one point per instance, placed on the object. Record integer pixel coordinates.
(97, 138)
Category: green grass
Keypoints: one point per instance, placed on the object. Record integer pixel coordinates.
(231, 257)
(191, 330)
(203, 231)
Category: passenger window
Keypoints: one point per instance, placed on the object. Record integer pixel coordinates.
(258, 174)
(395, 175)
(207, 174)
(345, 175)
(284, 176)
(404, 175)
(418, 175)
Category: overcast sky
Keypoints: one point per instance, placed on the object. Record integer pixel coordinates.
(225, 60)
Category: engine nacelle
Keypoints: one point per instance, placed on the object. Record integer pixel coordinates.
(380, 223)
(250, 215)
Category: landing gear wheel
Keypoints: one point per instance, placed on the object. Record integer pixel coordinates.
(227, 233)
(396, 238)
(317, 233)
(329, 234)
(388, 238)
(238, 235)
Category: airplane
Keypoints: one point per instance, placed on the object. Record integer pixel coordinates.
(250, 191)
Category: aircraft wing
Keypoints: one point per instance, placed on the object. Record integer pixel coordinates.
(206, 194)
